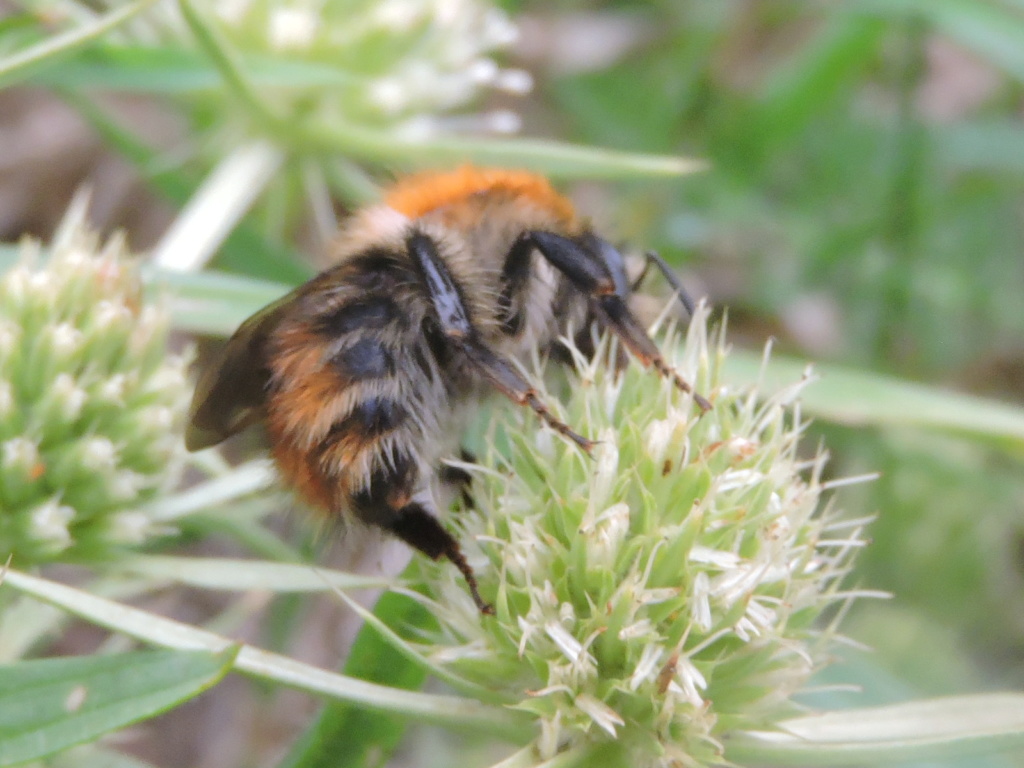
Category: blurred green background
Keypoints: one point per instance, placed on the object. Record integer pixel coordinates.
(864, 207)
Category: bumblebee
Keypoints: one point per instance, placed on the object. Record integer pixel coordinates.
(435, 296)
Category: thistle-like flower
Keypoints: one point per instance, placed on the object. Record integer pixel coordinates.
(90, 401)
(664, 594)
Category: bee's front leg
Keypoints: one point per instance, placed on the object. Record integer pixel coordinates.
(457, 330)
(596, 269)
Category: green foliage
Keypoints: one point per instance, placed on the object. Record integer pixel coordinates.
(48, 705)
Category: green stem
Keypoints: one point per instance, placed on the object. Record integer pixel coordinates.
(229, 65)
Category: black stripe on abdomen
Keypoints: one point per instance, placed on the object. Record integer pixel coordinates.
(368, 358)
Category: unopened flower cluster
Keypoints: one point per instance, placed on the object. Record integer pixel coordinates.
(396, 64)
(663, 594)
(90, 402)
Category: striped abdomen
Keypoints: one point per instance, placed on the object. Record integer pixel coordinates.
(355, 389)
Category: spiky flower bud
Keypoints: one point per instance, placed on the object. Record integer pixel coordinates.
(663, 594)
(395, 64)
(89, 401)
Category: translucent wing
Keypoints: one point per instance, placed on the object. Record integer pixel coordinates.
(229, 395)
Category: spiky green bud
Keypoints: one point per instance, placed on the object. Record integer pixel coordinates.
(664, 593)
(90, 401)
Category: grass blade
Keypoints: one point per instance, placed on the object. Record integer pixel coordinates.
(242, 575)
(934, 728)
(555, 159)
(864, 398)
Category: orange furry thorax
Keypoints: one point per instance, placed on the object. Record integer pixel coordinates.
(424, 192)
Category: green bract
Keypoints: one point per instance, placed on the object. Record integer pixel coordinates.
(665, 592)
(90, 402)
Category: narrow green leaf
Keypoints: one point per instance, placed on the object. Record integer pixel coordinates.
(862, 398)
(27, 624)
(552, 158)
(409, 653)
(148, 627)
(165, 70)
(241, 575)
(936, 728)
(238, 482)
(19, 66)
(49, 705)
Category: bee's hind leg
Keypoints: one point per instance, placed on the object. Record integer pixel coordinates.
(388, 502)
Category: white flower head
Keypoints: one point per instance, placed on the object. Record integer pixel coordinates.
(661, 590)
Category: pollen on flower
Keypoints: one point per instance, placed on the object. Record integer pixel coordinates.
(399, 15)
(158, 418)
(130, 527)
(603, 716)
(40, 284)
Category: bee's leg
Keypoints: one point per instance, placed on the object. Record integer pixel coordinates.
(460, 333)
(651, 257)
(460, 478)
(514, 274)
(504, 377)
(596, 269)
(387, 502)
